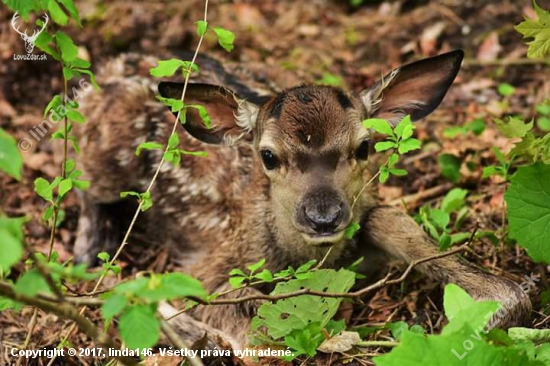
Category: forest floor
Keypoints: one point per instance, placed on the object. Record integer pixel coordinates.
(288, 43)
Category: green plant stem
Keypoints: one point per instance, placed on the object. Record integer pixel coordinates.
(41, 268)
(149, 187)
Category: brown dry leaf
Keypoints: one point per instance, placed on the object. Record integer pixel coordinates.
(341, 343)
(490, 48)
(428, 39)
(158, 360)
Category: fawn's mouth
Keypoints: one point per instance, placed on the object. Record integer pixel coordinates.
(324, 239)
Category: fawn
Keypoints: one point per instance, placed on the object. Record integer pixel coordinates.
(283, 178)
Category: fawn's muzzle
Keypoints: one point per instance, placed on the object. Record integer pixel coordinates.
(322, 216)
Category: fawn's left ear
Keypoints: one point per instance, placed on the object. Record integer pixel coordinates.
(232, 118)
(415, 89)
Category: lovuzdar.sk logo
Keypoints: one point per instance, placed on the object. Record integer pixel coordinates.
(29, 40)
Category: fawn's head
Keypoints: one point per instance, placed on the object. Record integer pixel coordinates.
(310, 139)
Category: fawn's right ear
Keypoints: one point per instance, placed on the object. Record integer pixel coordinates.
(232, 118)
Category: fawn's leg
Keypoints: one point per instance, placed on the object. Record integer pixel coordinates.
(401, 237)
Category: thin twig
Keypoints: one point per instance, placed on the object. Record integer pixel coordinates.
(419, 196)
(377, 344)
(93, 302)
(356, 294)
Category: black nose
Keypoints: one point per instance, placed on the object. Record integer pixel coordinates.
(324, 218)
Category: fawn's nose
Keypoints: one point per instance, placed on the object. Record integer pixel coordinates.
(324, 217)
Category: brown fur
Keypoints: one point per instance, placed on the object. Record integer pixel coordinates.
(227, 211)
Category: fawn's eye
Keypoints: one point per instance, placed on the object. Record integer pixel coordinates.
(269, 159)
(362, 152)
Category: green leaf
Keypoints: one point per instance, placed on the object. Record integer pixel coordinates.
(449, 165)
(514, 127)
(11, 235)
(69, 165)
(397, 329)
(11, 161)
(23, 7)
(404, 128)
(294, 313)
(393, 160)
(203, 113)
(194, 153)
(454, 131)
(202, 27)
(81, 184)
(544, 124)
(148, 146)
(477, 126)
(440, 218)
(528, 201)
(57, 13)
(139, 327)
(173, 141)
(306, 266)
(73, 11)
(528, 148)
(31, 283)
(506, 89)
(449, 350)
(330, 79)
(544, 108)
(254, 267)
(175, 105)
(454, 200)
(384, 175)
(398, 172)
(92, 77)
(265, 276)
(379, 125)
(53, 104)
(166, 68)
(225, 38)
(384, 145)
(113, 306)
(6, 304)
(409, 145)
(170, 286)
(236, 281)
(539, 33)
(75, 116)
(65, 186)
(104, 256)
(527, 334)
(43, 189)
(147, 201)
(68, 49)
(352, 228)
(445, 241)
